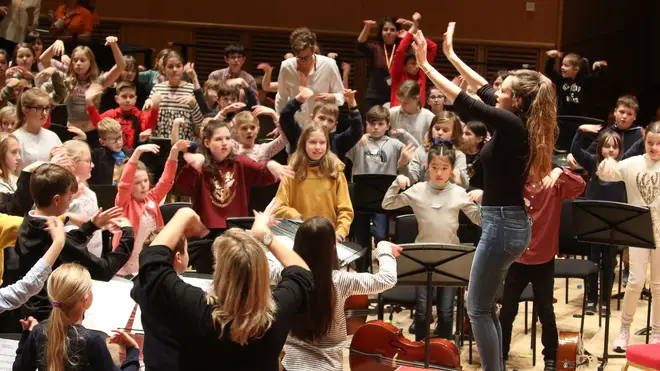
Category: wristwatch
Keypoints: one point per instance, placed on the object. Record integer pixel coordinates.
(268, 239)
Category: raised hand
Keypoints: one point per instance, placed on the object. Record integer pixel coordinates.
(333, 55)
(123, 339)
(448, 41)
(554, 53)
(326, 97)
(156, 98)
(102, 218)
(304, 94)
(55, 229)
(148, 104)
(29, 323)
(407, 153)
(93, 91)
(350, 97)
(181, 146)
(599, 64)
(144, 136)
(189, 70)
(265, 67)
(263, 110)
(550, 180)
(79, 134)
(405, 22)
(44, 75)
(263, 220)
(369, 23)
(419, 46)
(151, 148)
(591, 128)
(195, 160)
(475, 195)
(403, 181)
(111, 40)
(58, 48)
(365, 139)
(239, 81)
(279, 171)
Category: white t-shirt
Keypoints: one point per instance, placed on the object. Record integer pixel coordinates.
(35, 147)
(86, 205)
(417, 125)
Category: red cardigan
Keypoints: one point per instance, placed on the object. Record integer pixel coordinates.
(215, 203)
(398, 69)
(130, 121)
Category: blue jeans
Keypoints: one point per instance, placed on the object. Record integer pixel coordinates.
(444, 304)
(506, 232)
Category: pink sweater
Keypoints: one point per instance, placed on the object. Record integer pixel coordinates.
(133, 209)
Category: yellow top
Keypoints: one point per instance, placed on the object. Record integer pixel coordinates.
(317, 196)
(8, 232)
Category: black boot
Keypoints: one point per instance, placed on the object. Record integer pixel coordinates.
(550, 365)
(411, 329)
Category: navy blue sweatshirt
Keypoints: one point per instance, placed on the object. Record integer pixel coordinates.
(340, 143)
(596, 189)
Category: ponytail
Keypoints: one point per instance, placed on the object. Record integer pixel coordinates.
(67, 287)
(56, 347)
(542, 127)
(539, 112)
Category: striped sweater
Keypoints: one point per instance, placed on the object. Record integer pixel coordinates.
(326, 354)
(170, 109)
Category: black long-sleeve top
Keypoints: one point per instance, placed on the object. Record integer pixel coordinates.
(200, 346)
(340, 143)
(86, 348)
(596, 189)
(377, 88)
(19, 202)
(33, 241)
(572, 94)
(504, 157)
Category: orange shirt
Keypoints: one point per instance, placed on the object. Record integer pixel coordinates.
(79, 22)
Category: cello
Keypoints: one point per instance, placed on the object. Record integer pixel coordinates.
(356, 308)
(379, 346)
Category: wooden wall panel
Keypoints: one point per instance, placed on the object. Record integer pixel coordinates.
(477, 19)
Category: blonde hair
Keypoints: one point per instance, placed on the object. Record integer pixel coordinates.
(109, 126)
(299, 161)
(244, 118)
(7, 111)
(539, 113)
(327, 107)
(90, 77)
(5, 139)
(241, 291)
(67, 287)
(28, 98)
(74, 148)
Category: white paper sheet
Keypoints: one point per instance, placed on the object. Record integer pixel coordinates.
(202, 283)
(7, 354)
(112, 305)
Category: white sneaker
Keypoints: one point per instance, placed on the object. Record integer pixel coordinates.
(621, 342)
(655, 338)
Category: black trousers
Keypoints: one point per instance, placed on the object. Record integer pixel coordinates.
(605, 257)
(541, 277)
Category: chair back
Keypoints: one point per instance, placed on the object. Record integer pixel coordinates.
(468, 232)
(168, 210)
(406, 229)
(105, 194)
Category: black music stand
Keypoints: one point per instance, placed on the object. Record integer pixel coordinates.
(434, 264)
(612, 224)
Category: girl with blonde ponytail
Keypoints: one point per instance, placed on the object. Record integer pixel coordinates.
(61, 342)
(521, 117)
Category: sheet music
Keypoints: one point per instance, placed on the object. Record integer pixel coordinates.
(111, 307)
(202, 283)
(343, 252)
(7, 354)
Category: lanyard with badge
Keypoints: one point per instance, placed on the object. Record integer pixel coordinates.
(388, 60)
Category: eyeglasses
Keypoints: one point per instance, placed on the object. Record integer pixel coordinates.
(436, 96)
(116, 140)
(305, 59)
(235, 57)
(40, 109)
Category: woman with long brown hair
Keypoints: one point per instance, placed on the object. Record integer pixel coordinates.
(239, 324)
(318, 333)
(522, 118)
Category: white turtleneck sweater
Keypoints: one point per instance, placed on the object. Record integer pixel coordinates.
(436, 209)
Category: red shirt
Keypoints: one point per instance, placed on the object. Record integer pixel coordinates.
(226, 194)
(544, 206)
(398, 69)
(130, 121)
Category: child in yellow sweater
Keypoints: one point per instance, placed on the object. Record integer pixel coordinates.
(319, 187)
(8, 232)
